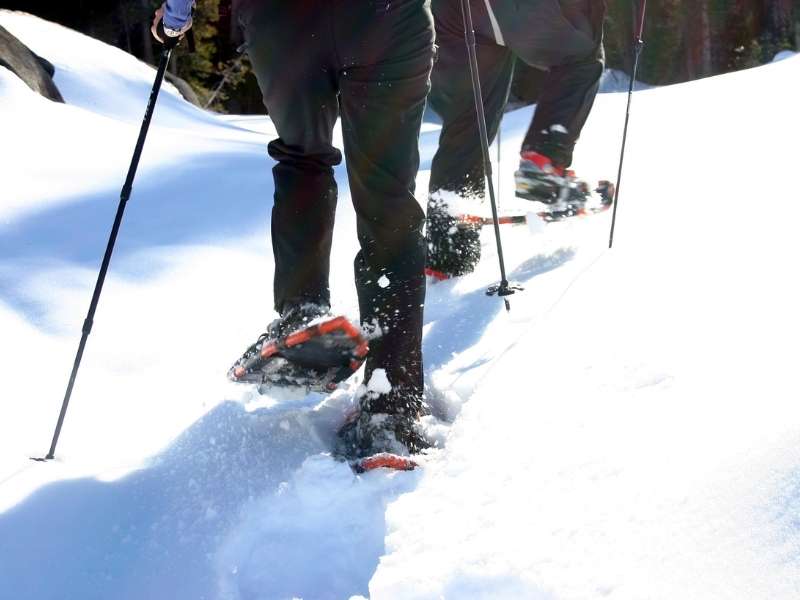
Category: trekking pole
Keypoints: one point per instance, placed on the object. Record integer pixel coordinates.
(503, 289)
(638, 45)
(499, 158)
(98, 288)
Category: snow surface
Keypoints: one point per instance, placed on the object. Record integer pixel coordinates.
(783, 55)
(614, 80)
(629, 430)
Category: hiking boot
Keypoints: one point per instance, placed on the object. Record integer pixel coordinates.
(538, 178)
(386, 422)
(368, 434)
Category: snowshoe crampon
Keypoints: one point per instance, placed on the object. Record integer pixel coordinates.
(579, 203)
(578, 211)
(473, 221)
(316, 357)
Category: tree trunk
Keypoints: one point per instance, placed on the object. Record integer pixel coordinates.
(147, 38)
(779, 23)
(698, 40)
(126, 27)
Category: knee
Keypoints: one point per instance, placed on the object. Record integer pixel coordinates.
(319, 158)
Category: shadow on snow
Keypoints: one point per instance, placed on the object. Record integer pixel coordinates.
(242, 505)
(460, 321)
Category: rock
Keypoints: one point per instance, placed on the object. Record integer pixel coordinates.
(184, 88)
(33, 70)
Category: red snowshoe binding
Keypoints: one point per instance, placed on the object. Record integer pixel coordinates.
(538, 179)
(436, 275)
(383, 460)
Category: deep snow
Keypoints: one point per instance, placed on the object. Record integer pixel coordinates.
(629, 430)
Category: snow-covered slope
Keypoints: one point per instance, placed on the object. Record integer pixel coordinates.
(629, 430)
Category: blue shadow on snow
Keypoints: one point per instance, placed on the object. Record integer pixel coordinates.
(157, 532)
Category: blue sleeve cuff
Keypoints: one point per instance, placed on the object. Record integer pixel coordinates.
(177, 13)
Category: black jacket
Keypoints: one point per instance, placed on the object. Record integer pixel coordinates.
(547, 33)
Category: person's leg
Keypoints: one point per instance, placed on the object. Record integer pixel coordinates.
(387, 50)
(300, 93)
(458, 163)
(457, 183)
(565, 38)
(567, 97)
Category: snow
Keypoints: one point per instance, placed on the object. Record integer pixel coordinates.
(628, 430)
(318, 535)
(783, 55)
(379, 382)
(614, 80)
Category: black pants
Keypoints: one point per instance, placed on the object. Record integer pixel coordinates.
(562, 36)
(369, 62)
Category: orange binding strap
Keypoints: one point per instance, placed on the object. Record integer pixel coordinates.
(337, 324)
(472, 220)
(269, 350)
(331, 325)
(300, 337)
(438, 275)
(362, 349)
(351, 330)
(387, 461)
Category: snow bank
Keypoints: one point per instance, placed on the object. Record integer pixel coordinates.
(641, 439)
(783, 55)
(320, 535)
(614, 80)
(84, 146)
(99, 78)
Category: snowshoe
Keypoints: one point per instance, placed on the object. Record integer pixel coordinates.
(578, 203)
(374, 441)
(315, 357)
(539, 180)
(583, 203)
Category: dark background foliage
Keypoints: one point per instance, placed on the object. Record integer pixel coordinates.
(685, 39)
